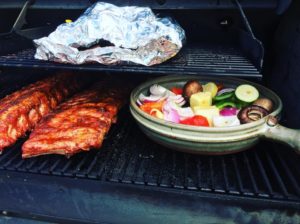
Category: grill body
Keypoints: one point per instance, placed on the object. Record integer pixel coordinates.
(131, 179)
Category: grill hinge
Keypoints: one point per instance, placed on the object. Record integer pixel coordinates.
(20, 21)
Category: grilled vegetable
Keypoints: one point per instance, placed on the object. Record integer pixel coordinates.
(197, 120)
(208, 101)
(231, 111)
(191, 87)
(202, 99)
(226, 90)
(224, 96)
(208, 112)
(157, 113)
(228, 121)
(211, 87)
(147, 107)
(246, 93)
(149, 99)
(252, 113)
(157, 90)
(177, 91)
(170, 112)
(223, 104)
(220, 86)
(264, 103)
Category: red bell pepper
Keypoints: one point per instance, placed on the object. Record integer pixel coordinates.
(177, 91)
(147, 107)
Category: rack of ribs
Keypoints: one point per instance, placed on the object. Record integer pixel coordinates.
(78, 124)
(23, 109)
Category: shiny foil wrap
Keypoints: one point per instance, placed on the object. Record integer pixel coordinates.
(134, 34)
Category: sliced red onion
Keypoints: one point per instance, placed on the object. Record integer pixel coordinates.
(170, 105)
(158, 90)
(177, 99)
(227, 90)
(151, 98)
(172, 116)
(229, 111)
(229, 121)
(139, 102)
(170, 112)
(181, 103)
(185, 112)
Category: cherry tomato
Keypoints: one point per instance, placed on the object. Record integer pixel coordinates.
(197, 120)
(188, 121)
(200, 120)
(177, 91)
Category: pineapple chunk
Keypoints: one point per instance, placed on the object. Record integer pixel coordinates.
(201, 99)
(208, 112)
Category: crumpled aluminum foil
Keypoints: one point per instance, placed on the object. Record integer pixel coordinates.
(135, 33)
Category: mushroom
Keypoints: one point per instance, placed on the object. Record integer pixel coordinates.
(252, 113)
(264, 103)
(191, 87)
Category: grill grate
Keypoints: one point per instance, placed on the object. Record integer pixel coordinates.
(192, 60)
(127, 156)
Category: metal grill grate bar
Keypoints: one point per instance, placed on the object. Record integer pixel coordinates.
(192, 59)
(238, 175)
(52, 168)
(225, 174)
(251, 175)
(264, 175)
(288, 173)
(276, 174)
(128, 156)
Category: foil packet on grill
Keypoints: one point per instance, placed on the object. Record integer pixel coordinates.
(109, 34)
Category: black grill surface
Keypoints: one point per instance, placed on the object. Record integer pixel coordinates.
(127, 156)
(193, 59)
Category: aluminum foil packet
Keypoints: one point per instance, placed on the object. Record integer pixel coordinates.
(109, 34)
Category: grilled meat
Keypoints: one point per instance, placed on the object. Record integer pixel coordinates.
(22, 110)
(78, 124)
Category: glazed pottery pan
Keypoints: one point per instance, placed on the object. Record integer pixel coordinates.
(212, 140)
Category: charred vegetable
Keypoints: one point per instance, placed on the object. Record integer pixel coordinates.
(252, 113)
(264, 103)
(191, 87)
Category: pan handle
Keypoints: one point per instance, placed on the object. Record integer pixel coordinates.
(277, 132)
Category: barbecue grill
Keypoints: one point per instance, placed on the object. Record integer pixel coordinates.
(132, 179)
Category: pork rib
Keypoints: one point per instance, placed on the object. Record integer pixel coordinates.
(23, 109)
(78, 124)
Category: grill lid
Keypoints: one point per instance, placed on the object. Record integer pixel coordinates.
(242, 58)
